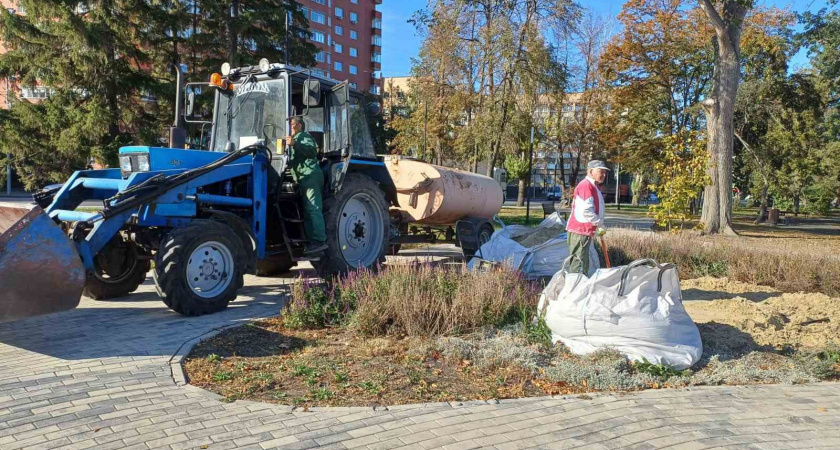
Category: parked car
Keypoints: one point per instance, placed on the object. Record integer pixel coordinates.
(554, 193)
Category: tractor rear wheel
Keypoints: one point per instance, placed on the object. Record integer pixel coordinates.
(118, 270)
(199, 268)
(357, 226)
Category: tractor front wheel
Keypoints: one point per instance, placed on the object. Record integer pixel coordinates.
(118, 270)
(200, 267)
(358, 227)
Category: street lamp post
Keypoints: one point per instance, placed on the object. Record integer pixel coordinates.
(617, 185)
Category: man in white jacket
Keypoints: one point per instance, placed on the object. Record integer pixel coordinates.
(587, 218)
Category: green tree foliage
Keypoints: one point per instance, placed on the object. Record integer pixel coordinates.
(241, 32)
(107, 68)
(822, 39)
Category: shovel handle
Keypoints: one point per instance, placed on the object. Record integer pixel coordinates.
(606, 252)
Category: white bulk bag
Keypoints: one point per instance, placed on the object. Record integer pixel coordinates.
(543, 260)
(636, 309)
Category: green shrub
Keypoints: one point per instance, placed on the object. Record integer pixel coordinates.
(314, 306)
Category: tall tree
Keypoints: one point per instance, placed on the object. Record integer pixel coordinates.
(241, 32)
(96, 61)
(105, 67)
(727, 18)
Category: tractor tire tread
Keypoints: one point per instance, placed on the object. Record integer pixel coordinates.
(332, 263)
(170, 281)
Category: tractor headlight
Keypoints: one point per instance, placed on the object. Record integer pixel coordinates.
(125, 164)
(134, 162)
(143, 163)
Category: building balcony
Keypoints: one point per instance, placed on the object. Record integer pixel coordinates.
(375, 65)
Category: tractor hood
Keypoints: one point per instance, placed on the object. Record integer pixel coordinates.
(154, 159)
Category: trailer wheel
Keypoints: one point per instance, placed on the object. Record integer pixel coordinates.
(485, 232)
(118, 270)
(200, 267)
(357, 226)
(400, 227)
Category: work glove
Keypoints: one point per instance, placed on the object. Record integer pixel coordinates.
(600, 232)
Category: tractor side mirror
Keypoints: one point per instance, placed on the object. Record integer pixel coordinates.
(190, 103)
(374, 108)
(198, 102)
(312, 92)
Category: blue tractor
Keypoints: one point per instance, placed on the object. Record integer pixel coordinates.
(199, 219)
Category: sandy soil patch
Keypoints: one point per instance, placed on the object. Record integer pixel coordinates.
(764, 316)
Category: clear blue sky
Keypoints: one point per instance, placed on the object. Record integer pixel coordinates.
(400, 41)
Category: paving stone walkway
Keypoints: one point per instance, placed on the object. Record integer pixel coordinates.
(100, 377)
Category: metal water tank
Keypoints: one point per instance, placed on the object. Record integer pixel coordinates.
(436, 195)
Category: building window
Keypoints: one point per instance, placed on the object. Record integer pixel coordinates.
(318, 17)
(376, 40)
(355, 2)
(354, 18)
(376, 57)
(320, 2)
(354, 85)
(319, 72)
(339, 48)
(338, 66)
(319, 37)
(353, 69)
(339, 13)
(37, 92)
(354, 52)
(374, 90)
(354, 34)
(339, 30)
(321, 57)
(377, 24)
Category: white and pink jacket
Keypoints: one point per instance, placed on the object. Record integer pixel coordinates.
(587, 209)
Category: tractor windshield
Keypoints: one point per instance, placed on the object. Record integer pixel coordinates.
(256, 110)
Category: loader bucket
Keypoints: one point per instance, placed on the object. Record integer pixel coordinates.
(40, 270)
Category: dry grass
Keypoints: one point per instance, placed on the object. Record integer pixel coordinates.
(788, 266)
(414, 300)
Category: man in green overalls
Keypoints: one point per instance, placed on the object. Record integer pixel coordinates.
(309, 177)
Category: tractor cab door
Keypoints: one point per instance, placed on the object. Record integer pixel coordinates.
(340, 144)
(349, 132)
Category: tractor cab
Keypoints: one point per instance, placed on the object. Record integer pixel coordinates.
(254, 104)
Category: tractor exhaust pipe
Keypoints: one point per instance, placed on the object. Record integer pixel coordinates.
(177, 132)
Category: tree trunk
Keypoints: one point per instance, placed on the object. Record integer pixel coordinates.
(762, 211)
(638, 183)
(520, 198)
(719, 108)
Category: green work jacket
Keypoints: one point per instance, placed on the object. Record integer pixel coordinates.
(304, 157)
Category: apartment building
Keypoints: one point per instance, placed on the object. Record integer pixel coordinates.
(349, 35)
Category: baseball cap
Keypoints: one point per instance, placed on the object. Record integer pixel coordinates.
(597, 164)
